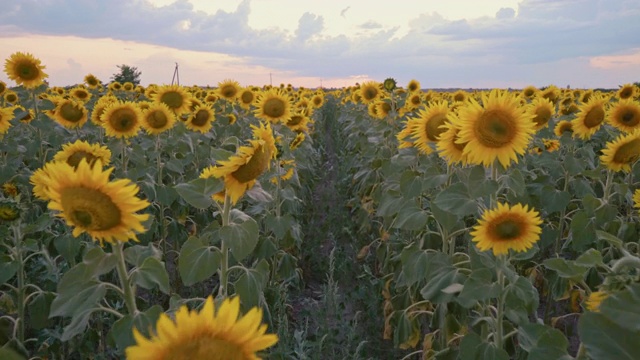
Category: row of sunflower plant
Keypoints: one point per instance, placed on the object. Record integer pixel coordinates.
(501, 224)
(122, 204)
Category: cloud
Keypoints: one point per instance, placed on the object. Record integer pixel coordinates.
(538, 34)
(309, 25)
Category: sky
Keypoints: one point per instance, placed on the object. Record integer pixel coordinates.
(331, 43)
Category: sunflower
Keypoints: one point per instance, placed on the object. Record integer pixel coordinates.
(40, 181)
(229, 89)
(151, 91)
(620, 154)
(9, 211)
(88, 201)
(99, 107)
(563, 126)
(273, 105)
(211, 97)
(128, 86)
(414, 100)
(626, 91)
(414, 85)
(25, 70)
(6, 115)
(404, 137)
(383, 109)
(542, 110)
(297, 141)
(81, 94)
(11, 97)
(121, 119)
(636, 199)
(9, 189)
(625, 115)
(232, 118)
(551, 93)
(115, 86)
(175, 97)
(447, 144)
(28, 116)
(460, 96)
(529, 92)
(69, 113)
(246, 98)
(370, 91)
(317, 100)
(201, 119)
(92, 81)
(240, 171)
(73, 153)
(3, 87)
(158, 118)
(205, 335)
(590, 117)
(298, 122)
(390, 84)
(498, 130)
(595, 299)
(372, 110)
(507, 227)
(551, 145)
(427, 126)
(285, 172)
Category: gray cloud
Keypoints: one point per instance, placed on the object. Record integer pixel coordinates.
(541, 32)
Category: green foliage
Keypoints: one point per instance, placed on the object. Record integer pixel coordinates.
(127, 73)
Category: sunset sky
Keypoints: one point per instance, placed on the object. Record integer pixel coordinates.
(333, 43)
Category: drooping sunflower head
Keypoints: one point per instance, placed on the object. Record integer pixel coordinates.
(25, 70)
(229, 89)
(92, 81)
(542, 110)
(500, 129)
(74, 153)
(370, 91)
(414, 85)
(201, 119)
(175, 97)
(121, 119)
(90, 203)
(158, 118)
(622, 153)
(70, 113)
(211, 334)
(625, 115)
(627, 91)
(590, 117)
(273, 105)
(507, 228)
(80, 93)
(383, 109)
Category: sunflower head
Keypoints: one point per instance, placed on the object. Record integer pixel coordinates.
(11, 97)
(390, 84)
(201, 119)
(9, 189)
(6, 115)
(507, 228)
(80, 94)
(627, 91)
(273, 105)
(229, 89)
(70, 113)
(542, 110)
(9, 211)
(563, 126)
(92, 81)
(590, 117)
(595, 299)
(74, 153)
(211, 333)
(414, 85)
(25, 70)
(246, 98)
(175, 97)
(622, 153)
(370, 91)
(115, 86)
(3, 87)
(529, 92)
(297, 141)
(121, 119)
(625, 115)
(158, 118)
(90, 203)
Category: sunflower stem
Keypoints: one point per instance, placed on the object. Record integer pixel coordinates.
(159, 182)
(224, 265)
(562, 215)
(278, 184)
(129, 292)
(494, 177)
(20, 290)
(607, 187)
(124, 157)
(500, 308)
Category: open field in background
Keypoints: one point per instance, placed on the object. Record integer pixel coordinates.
(378, 221)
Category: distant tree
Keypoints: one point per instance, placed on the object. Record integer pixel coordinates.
(127, 73)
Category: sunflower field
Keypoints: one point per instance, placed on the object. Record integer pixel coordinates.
(369, 222)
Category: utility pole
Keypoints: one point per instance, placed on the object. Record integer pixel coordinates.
(176, 76)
